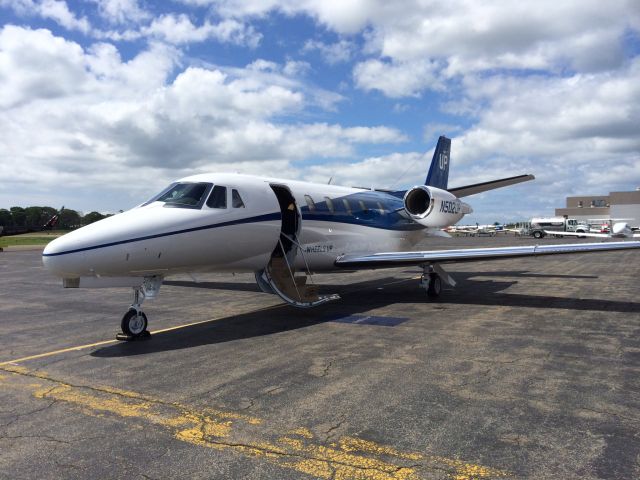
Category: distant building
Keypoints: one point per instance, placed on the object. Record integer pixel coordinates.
(616, 205)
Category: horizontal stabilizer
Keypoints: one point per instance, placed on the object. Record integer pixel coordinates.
(492, 185)
(399, 259)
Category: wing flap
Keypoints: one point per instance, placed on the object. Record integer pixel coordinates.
(492, 185)
(398, 259)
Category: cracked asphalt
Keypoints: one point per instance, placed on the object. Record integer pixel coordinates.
(527, 369)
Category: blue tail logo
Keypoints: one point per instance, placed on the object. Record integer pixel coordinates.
(438, 175)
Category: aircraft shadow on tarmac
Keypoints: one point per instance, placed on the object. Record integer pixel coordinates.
(358, 298)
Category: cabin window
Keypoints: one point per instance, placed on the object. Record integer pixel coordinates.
(363, 207)
(310, 203)
(183, 195)
(347, 207)
(218, 197)
(329, 203)
(236, 199)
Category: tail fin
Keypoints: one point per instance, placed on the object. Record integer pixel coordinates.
(438, 175)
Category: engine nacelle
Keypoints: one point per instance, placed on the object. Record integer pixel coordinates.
(433, 207)
(621, 230)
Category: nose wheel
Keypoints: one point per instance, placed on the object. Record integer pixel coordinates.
(134, 322)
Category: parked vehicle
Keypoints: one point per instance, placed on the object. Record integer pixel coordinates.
(540, 225)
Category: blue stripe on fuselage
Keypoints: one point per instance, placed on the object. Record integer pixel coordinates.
(259, 218)
(371, 216)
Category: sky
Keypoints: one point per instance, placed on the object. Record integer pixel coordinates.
(105, 102)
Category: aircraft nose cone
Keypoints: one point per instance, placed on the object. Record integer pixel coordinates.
(53, 247)
(51, 261)
(61, 258)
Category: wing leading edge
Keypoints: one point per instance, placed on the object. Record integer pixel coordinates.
(398, 259)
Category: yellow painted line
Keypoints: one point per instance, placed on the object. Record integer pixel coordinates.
(155, 332)
(107, 342)
(250, 437)
(56, 352)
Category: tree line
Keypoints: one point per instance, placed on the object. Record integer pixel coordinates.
(34, 218)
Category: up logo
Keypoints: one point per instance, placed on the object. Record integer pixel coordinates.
(443, 161)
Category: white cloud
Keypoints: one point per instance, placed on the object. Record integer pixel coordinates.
(296, 68)
(579, 117)
(173, 28)
(397, 80)
(44, 67)
(332, 53)
(432, 130)
(122, 11)
(56, 10)
(342, 16)
(84, 117)
(461, 37)
(389, 171)
(578, 135)
(178, 29)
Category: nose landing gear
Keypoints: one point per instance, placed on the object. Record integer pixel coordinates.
(134, 323)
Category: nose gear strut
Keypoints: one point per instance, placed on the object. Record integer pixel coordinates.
(134, 322)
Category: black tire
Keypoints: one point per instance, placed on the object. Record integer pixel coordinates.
(581, 236)
(537, 235)
(435, 285)
(134, 323)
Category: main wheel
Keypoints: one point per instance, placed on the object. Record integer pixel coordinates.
(435, 285)
(134, 323)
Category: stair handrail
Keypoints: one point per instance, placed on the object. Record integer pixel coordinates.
(292, 240)
(293, 278)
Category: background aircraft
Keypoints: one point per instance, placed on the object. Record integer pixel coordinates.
(281, 230)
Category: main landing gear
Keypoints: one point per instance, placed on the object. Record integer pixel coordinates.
(134, 322)
(433, 277)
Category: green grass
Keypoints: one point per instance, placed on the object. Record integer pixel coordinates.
(33, 239)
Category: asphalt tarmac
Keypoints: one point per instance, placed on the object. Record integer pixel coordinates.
(527, 369)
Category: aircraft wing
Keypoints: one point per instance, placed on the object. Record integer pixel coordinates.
(398, 259)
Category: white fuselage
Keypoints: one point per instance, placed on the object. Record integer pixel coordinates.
(161, 239)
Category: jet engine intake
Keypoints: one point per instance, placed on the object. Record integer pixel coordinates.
(433, 207)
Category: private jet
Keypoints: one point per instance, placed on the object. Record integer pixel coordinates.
(283, 231)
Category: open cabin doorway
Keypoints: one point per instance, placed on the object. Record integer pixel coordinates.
(291, 222)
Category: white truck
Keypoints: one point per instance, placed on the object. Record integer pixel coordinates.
(556, 224)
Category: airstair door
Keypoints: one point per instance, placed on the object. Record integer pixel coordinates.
(280, 274)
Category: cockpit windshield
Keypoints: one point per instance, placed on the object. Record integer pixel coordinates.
(183, 195)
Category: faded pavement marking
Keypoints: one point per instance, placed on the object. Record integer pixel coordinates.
(346, 458)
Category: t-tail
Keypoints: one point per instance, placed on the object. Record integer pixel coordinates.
(438, 175)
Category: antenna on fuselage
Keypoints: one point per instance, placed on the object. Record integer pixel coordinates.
(330, 180)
